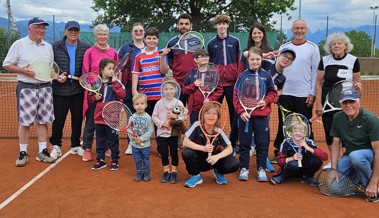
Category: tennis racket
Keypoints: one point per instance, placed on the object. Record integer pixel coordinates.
(332, 102)
(334, 183)
(292, 121)
(189, 41)
(91, 82)
(170, 93)
(251, 91)
(208, 75)
(45, 69)
(121, 65)
(212, 121)
(283, 111)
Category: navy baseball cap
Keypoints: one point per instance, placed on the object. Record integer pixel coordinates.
(349, 94)
(72, 24)
(290, 50)
(37, 20)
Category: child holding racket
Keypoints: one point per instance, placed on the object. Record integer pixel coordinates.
(141, 144)
(257, 120)
(112, 89)
(162, 115)
(191, 86)
(195, 155)
(299, 148)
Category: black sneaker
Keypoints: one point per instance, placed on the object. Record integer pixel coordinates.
(165, 177)
(100, 164)
(174, 178)
(372, 199)
(114, 166)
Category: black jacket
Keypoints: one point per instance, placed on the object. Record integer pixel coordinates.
(61, 57)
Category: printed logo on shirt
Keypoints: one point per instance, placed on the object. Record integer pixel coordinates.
(359, 126)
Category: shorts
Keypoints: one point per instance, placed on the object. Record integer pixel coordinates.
(34, 103)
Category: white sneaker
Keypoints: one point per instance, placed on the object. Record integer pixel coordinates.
(252, 151)
(262, 177)
(128, 150)
(55, 152)
(328, 165)
(78, 150)
(244, 174)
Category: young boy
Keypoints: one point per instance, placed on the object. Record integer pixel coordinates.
(149, 68)
(299, 148)
(191, 84)
(224, 51)
(142, 124)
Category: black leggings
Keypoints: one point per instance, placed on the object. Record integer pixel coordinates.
(166, 145)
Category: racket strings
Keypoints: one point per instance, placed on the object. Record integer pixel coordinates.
(191, 41)
(335, 92)
(116, 115)
(251, 92)
(293, 120)
(329, 186)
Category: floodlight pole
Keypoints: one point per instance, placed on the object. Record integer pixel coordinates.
(9, 22)
(373, 29)
(299, 9)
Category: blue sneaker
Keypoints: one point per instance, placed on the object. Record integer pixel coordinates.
(269, 167)
(220, 178)
(193, 181)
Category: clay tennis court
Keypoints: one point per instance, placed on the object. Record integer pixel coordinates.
(72, 189)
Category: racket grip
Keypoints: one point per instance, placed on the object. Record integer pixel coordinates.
(299, 163)
(247, 126)
(209, 154)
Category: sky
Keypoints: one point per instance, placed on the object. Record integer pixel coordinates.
(342, 13)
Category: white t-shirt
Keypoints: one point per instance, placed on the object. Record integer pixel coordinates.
(23, 52)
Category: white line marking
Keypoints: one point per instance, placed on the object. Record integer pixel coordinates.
(31, 182)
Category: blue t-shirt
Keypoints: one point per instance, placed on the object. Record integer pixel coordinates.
(71, 49)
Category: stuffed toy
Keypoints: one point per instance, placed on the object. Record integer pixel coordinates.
(178, 127)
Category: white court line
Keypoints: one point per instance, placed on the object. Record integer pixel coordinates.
(31, 182)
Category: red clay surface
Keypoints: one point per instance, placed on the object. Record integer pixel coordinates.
(72, 189)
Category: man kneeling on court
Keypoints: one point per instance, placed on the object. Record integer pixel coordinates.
(359, 130)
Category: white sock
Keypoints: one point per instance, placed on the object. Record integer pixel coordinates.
(41, 146)
(24, 147)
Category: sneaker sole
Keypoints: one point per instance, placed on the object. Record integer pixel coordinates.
(102, 167)
(43, 160)
(197, 183)
(113, 169)
(218, 182)
(262, 180)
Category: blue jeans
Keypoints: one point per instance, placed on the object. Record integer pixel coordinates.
(141, 158)
(358, 165)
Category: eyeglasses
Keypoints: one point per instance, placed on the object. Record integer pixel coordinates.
(39, 27)
(74, 30)
(288, 58)
(203, 56)
(138, 31)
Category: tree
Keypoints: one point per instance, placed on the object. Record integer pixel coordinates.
(4, 46)
(162, 14)
(360, 40)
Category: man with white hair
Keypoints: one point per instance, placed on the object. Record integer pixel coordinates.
(34, 97)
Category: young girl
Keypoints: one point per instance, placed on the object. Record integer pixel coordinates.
(258, 120)
(112, 89)
(191, 87)
(141, 143)
(310, 155)
(162, 115)
(195, 153)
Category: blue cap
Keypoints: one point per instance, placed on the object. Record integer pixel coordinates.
(72, 24)
(290, 50)
(37, 20)
(349, 94)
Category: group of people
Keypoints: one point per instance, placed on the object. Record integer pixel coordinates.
(295, 77)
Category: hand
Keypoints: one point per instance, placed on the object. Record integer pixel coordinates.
(262, 104)
(197, 82)
(358, 86)
(245, 116)
(372, 190)
(319, 110)
(62, 78)
(297, 156)
(206, 101)
(98, 97)
(114, 77)
(27, 72)
(310, 100)
(166, 124)
(208, 148)
(212, 159)
(171, 115)
(164, 52)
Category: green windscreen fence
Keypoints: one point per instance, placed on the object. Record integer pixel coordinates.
(118, 39)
